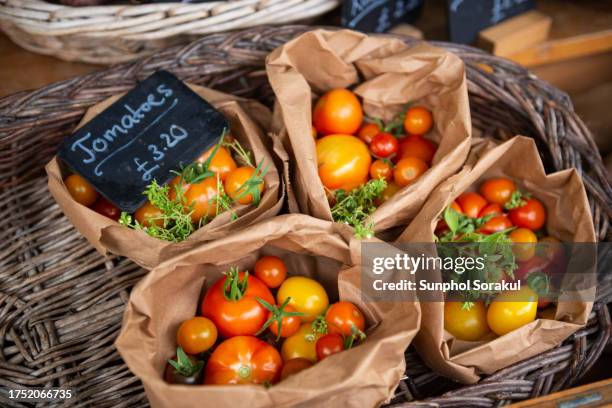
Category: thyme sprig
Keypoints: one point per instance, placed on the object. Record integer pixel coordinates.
(353, 208)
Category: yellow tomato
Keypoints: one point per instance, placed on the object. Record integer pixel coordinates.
(344, 162)
(307, 296)
(512, 309)
(302, 344)
(526, 240)
(463, 323)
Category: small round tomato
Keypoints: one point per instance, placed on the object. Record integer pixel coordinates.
(491, 209)
(106, 208)
(200, 198)
(384, 145)
(81, 190)
(149, 215)
(236, 312)
(337, 111)
(526, 240)
(367, 131)
(418, 121)
(496, 224)
(294, 366)
(196, 335)
(243, 360)
(417, 146)
(290, 324)
(221, 163)
(188, 370)
(175, 185)
(381, 169)
(239, 190)
(388, 192)
(271, 270)
(307, 296)
(511, 310)
(455, 206)
(302, 344)
(343, 162)
(329, 344)
(469, 324)
(532, 215)
(498, 190)
(408, 170)
(342, 316)
(471, 204)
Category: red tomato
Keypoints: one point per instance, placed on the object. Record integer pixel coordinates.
(106, 208)
(81, 190)
(408, 170)
(384, 145)
(491, 209)
(471, 204)
(418, 121)
(367, 131)
(417, 146)
(237, 314)
(455, 206)
(496, 224)
(337, 111)
(532, 215)
(381, 169)
(498, 190)
(343, 162)
(342, 316)
(243, 360)
(271, 270)
(328, 345)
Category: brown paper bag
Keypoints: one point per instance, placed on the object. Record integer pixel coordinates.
(249, 121)
(568, 219)
(364, 376)
(387, 75)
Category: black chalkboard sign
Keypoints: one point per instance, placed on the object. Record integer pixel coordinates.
(466, 18)
(378, 16)
(157, 127)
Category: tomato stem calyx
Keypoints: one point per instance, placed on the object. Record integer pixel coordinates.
(234, 288)
(277, 314)
(183, 364)
(356, 335)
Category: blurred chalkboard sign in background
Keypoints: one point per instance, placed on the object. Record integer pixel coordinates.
(378, 16)
(467, 17)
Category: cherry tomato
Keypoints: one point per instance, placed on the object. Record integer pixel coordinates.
(294, 366)
(455, 206)
(417, 146)
(106, 208)
(175, 185)
(200, 198)
(307, 296)
(302, 344)
(221, 163)
(81, 190)
(511, 310)
(367, 131)
(289, 324)
(329, 344)
(149, 215)
(337, 111)
(243, 360)
(491, 209)
(471, 204)
(342, 316)
(418, 121)
(469, 324)
(240, 313)
(526, 240)
(496, 224)
(343, 161)
(532, 215)
(271, 270)
(384, 145)
(189, 372)
(196, 335)
(408, 170)
(236, 187)
(381, 169)
(498, 190)
(388, 192)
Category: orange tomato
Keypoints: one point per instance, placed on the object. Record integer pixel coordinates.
(418, 121)
(235, 181)
(408, 170)
(337, 111)
(342, 316)
(388, 192)
(173, 186)
(471, 203)
(496, 224)
(149, 215)
(344, 161)
(289, 324)
(243, 360)
(221, 163)
(81, 190)
(417, 146)
(381, 169)
(294, 366)
(498, 190)
(527, 243)
(367, 131)
(200, 197)
(196, 335)
(271, 270)
(491, 209)
(455, 206)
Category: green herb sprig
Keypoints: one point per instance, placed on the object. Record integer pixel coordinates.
(355, 207)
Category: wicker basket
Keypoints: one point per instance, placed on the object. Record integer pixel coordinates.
(111, 34)
(61, 303)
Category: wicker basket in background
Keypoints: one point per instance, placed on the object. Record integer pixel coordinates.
(111, 34)
(61, 302)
